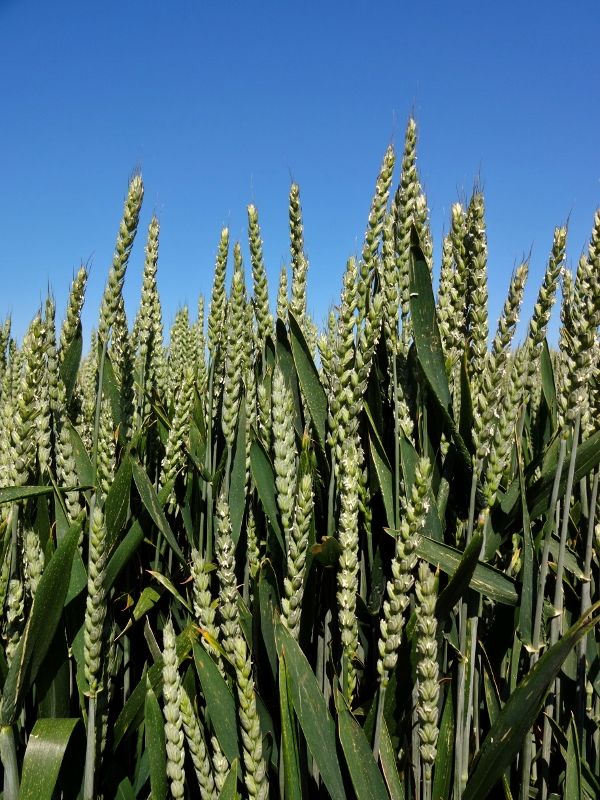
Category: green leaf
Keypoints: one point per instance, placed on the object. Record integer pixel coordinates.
(264, 480)
(311, 386)
(327, 552)
(146, 601)
(547, 374)
(132, 713)
(387, 756)
(365, 775)
(153, 507)
(237, 487)
(44, 617)
(70, 363)
(442, 772)
(164, 581)
(229, 790)
(573, 785)
(286, 364)
(43, 758)
(590, 782)
(10, 494)
(505, 738)
(52, 686)
(289, 740)
(310, 707)
(124, 552)
(486, 580)
(383, 471)
(219, 702)
(125, 790)
(116, 504)
(83, 465)
(111, 390)
(428, 345)
(268, 598)
(154, 732)
(425, 328)
(461, 579)
(410, 458)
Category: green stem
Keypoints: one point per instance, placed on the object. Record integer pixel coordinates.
(461, 716)
(553, 705)
(379, 720)
(8, 755)
(98, 408)
(586, 602)
(550, 525)
(396, 446)
(207, 456)
(90, 751)
(331, 497)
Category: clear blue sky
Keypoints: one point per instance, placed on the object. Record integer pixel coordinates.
(222, 103)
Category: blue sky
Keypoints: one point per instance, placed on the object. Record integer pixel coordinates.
(223, 103)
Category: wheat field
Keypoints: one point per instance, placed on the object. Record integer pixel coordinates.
(251, 558)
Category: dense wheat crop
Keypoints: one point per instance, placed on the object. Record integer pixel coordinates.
(270, 561)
